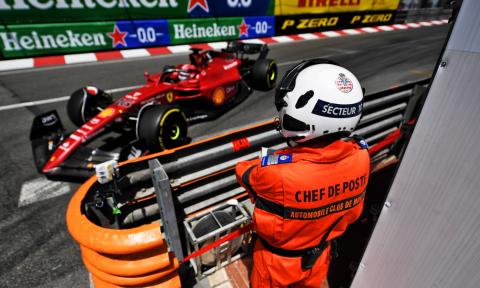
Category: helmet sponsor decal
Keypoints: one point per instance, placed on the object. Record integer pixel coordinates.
(344, 84)
(333, 110)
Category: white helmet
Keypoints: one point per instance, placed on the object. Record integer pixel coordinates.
(318, 97)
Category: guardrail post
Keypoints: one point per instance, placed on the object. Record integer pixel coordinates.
(167, 207)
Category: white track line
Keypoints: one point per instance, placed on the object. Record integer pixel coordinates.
(39, 189)
(58, 99)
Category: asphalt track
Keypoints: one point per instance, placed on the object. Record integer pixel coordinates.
(36, 249)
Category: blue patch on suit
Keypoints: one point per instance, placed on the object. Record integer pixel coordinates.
(276, 159)
(362, 143)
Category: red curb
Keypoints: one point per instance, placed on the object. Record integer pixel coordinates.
(203, 46)
(296, 37)
(158, 50)
(108, 55)
(320, 34)
(268, 40)
(341, 32)
(48, 61)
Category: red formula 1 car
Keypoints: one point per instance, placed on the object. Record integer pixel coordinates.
(153, 117)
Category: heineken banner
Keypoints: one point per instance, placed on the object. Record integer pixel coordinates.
(290, 7)
(219, 29)
(43, 39)
(27, 40)
(51, 11)
(293, 24)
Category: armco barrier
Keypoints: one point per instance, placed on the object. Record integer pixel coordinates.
(199, 175)
(424, 14)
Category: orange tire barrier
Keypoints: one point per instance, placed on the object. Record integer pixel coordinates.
(128, 265)
(136, 257)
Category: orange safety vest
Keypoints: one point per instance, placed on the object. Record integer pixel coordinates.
(300, 192)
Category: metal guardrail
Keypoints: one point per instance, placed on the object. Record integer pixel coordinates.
(201, 174)
(189, 180)
(423, 14)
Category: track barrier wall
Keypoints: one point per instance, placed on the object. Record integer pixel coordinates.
(198, 176)
(31, 28)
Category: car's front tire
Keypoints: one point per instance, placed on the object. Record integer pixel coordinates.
(162, 127)
(85, 103)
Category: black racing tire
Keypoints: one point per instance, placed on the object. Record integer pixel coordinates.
(264, 74)
(82, 106)
(162, 127)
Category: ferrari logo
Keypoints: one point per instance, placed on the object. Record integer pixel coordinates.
(169, 97)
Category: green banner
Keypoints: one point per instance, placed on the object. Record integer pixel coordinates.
(30, 40)
(204, 30)
(50, 11)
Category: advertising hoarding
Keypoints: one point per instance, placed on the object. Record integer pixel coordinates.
(292, 7)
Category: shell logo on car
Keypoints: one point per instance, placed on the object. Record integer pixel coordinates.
(106, 113)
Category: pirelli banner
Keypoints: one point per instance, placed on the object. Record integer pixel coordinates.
(293, 7)
(295, 24)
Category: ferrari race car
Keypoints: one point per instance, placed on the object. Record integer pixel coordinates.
(151, 118)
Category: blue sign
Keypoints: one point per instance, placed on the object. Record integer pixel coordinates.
(143, 33)
(257, 27)
(227, 8)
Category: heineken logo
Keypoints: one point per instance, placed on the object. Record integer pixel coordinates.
(12, 41)
(192, 31)
(91, 4)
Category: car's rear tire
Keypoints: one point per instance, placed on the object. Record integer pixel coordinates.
(162, 127)
(85, 103)
(264, 74)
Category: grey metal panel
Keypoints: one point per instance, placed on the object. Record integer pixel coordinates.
(428, 234)
(465, 36)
